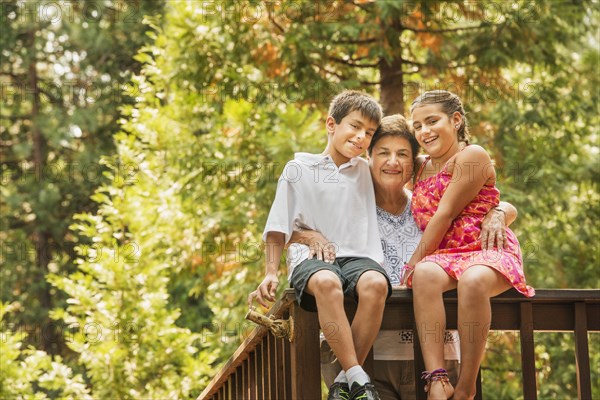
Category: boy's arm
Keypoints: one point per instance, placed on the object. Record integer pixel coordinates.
(268, 287)
(318, 244)
(494, 225)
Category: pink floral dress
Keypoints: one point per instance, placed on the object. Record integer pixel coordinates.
(461, 246)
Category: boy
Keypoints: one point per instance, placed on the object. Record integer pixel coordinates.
(332, 193)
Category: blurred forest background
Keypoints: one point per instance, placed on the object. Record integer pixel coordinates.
(141, 142)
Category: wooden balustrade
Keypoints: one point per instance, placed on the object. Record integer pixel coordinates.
(265, 367)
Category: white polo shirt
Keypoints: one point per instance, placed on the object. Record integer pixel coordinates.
(314, 193)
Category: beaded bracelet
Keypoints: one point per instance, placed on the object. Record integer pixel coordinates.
(407, 271)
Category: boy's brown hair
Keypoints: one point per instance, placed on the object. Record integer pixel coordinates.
(353, 100)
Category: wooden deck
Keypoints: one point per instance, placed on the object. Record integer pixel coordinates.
(265, 367)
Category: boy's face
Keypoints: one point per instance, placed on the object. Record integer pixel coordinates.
(351, 137)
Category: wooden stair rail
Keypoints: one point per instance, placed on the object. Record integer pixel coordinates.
(266, 367)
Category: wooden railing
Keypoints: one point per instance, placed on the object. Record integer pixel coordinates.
(265, 367)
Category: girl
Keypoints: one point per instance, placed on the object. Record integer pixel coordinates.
(454, 189)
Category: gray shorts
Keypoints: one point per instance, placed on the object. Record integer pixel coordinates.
(348, 269)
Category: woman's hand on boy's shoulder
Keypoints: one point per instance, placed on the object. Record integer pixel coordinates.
(322, 249)
(318, 245)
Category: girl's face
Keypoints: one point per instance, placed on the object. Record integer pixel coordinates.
(391, 163)
(434, 130)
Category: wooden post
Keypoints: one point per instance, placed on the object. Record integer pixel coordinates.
(244, 377)
(478, 389)
(259, 370)
(252, 381)
(305, 357)
(419, 367)
(279, 367)
(528, 352)
(271, 391)
(287, 369)
(582, 355)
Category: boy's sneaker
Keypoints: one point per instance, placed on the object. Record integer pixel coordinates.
(339, 391)
(363, 392)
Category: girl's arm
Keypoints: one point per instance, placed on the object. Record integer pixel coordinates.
(471, 171)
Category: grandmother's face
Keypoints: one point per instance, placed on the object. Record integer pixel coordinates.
(391, 163)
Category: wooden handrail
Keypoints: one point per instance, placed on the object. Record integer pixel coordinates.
(266, 367)
(248, 345)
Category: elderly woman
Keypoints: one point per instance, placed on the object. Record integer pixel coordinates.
(392, 154)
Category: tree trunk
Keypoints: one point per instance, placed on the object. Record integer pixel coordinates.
(41, 237)
(391, 77)
(392, 86)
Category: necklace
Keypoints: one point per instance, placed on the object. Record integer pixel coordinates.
(398, 208)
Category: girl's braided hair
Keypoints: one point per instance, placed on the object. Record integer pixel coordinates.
(450, 104)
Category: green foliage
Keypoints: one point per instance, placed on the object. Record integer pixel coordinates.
(168, 230)
(124, 328)
(63, 69)
(549, 169)
(555, 365)
(33, 374)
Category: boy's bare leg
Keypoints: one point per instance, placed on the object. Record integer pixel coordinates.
(475, 287)
(372, 289)
(326, 287)
(430, 281)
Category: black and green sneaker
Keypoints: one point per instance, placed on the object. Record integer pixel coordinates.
(339, 391)
(363, 392)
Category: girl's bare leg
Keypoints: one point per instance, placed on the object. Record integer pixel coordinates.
(475, 288)
(430, 281)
